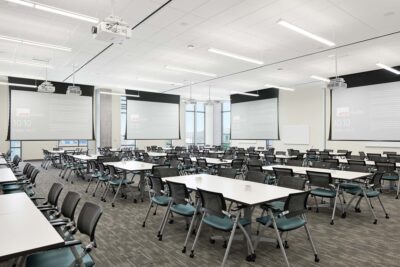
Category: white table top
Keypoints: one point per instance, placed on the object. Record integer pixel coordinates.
(285, 156)
(338, 174)
(6, 175)
(367, 162)
(56, 151)
(86, 157)
(3, 161)
(131, 165)
(157, 154)
(167, 148)
(25, 227)
(214, 161)
(213, 151)
(249, 193)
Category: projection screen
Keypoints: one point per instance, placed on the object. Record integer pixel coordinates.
(257, 120)
(152, 120)
(47, 116)
(366, 113)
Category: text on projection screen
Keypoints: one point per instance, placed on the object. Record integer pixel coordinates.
(152, 120)
(255, 119)
(367, 113)
(44, 116)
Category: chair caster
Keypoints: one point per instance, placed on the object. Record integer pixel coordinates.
(113, 205)
(191, 254)
(72, 182)
(212, 241)
(184, 250)
(316, 259)
(160, 237)
(144, 224)
(387, 216)
(142, 199)
(358, 210)
(286, 245)
(344, 214)
(135, 201)
(93, 195)
(397, 197)
(332, 223)
(187, 227)
(309, 208)
(225, 245)
(171, 221)
(86, 191)
(154, 213)
(158, 234)
(251, 257)
(194, 232)
(376, 221)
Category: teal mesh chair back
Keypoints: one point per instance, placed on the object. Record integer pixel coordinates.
(294, 162)
(213, 203)
(227, 172)
(156, 185)
(88, 219)
(291, 182)
(296, 204)
(178, 192)
(319, 179)
(168, 172)
(356, 162)
(386, 167)
(282, 172)
(255, 176)
(69, 204)
(358, 168)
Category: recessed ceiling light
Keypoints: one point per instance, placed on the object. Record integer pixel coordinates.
(55, 10)
(243, 93)
(393, 70)
(304, 32)
(191, 71)
(236, 56)
(279, 87)
(119, 94)
(159, 81)
(33, 43)
(315, 77)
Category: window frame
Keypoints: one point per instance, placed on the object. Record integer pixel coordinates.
(195, 111)
(225, 145)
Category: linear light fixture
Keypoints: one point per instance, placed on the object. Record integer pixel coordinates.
(19, 84)
(315, 77)
(236, 56)
(28, 42)
(55, 10)
(279, 87)
(159, 81)
(191, 71)
(26, 63)
(243, 93)
(120, 94)
(383, 66)
(305, 33)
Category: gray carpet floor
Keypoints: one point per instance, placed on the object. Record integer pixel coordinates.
(122, 241)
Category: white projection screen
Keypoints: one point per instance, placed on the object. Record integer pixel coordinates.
(50, 116)
(368, 113)
(152, 120)
(257, 120)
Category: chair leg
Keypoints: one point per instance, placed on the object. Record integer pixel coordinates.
(191, 226)
(103, 197)
(89, 182)
(95, 189)
(316, 258)
(147, 214)
(252, 256)
(384, 210)
(279, 239)
(197, 236)
(398, 189)
(163, 221)
(334, 206)
(371, 209)
(116, 193)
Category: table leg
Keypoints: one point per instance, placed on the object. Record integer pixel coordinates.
(278, 236)
(142, 185)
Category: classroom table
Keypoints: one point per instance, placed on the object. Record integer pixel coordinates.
(132, 166)
(7, 176)
(3, 161)
(86, 157)
(250, 194)
(24, 229)
(157, 154)
(367, 162)
(214, 161)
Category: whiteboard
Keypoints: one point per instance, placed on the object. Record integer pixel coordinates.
(296, 134)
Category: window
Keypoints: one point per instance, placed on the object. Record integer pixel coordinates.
(124, 142)
(15, 147)
(226, 124)
(195, 124)
(72, 143)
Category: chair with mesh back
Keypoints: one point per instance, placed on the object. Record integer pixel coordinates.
(393, 157)
(254, 156)
(255, 176)
(294, 162)
(215, 215)
(93, 173)
(278, 172)
(321, 164)
(25, 184)
(157, 195)
(321, 184)
(116, 181)
(202, 165)
(179, 204)
(387, 153)
(323, 155)
(291, 218)
(269, 159)
(188, 166)
(52, 197)
(362, 155)
(356, 162)
(102, 179)
(254, 165)
(389, 173)
(334, 163)
(374, 157)
(227, 172)
(328, 150)
(238, 165)
(311, 156)
(348, 155)
(340, 151)
(371, 189)
(73, 253)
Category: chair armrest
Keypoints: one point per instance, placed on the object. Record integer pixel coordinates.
(40, 207)
(71, 243)
(59, 220)
(46, 208)
(35, 198)
(58, 224)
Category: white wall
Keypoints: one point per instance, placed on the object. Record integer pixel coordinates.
(4, 145)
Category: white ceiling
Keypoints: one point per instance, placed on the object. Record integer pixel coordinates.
(243, 27)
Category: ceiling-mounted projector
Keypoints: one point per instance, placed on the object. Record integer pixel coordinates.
(74, 90)
(337, 83)
(46, 87)
(113, 29)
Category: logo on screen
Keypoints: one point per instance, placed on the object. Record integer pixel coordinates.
(342, 112)
(23, 112)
